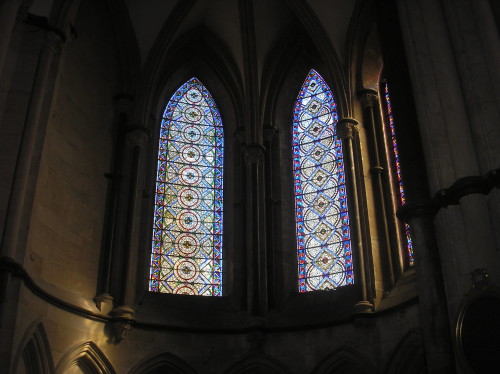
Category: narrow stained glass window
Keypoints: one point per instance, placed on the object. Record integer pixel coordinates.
(187, 231)
(322, 219)
(397, 168)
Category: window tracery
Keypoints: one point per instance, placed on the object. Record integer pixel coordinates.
(187, 230)
(321, 212)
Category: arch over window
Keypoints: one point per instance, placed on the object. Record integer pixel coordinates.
(397, 169)
(187, 230)
(321, 214)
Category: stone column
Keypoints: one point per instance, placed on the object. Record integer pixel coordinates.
(26, 173)
(432, 299)
(270, 135)
(10, 12)
(255, 225)
(476, 45)
(13, 246)
(454, 90)
(383, 190)
(111, 231)
(449, 155)
(347, 130)
(446, 135)
(123, 315)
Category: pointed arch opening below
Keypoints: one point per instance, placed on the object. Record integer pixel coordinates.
(187, 230)
(321, 212)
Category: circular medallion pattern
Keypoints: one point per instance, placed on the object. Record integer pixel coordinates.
(190, 175)
(189, 197)
(190, 154)
(186, 270)
(194, 96)
(188, 221)
(185, 290)
(187, 244)
(192, 114)
(192, 133)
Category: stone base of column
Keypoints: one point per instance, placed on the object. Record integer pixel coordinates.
(104, 302)
(363, 307)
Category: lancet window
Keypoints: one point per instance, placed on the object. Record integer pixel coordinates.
(187, 230)
(321, 209)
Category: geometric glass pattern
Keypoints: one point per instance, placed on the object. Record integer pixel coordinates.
(397, 166)
(321, 215)
(186, 253)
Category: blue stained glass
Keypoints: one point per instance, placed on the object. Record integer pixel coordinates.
(321, 214)
(397, 166)
(187, 226)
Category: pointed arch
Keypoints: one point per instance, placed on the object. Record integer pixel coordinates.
(321, 212)
(35, 353)
(258, 364)
(201, 54)
(409, 355)
(88, 357)
(198, 52)
(187, 230)
(345, 360)
(162, 363)
(313, 26)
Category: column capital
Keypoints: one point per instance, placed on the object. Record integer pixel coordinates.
(347, 127)
(368, 96)
(123, 102)
(137, 135)
(254, 153)
(269, 132)
(239, 135)
(55, 41)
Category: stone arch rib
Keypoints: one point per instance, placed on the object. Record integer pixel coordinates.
(345, 360)
(258, 364)
(88, 357)
(35, 351)
(162, 363)
(409, 355)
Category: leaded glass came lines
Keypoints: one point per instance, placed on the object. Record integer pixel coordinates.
(187, 230)
(397, 166)
(322, 219)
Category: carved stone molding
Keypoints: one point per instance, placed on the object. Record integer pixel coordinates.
(137, 135)
(467, 186)
(363, 307)
(123, 102)
(377, 169)
(347, 128)
(254, 153)
(104, 302)
(239, 135)
(55, 41)
(419, 208)
(23, 10)
(270, 132)
(122, 322)
(368, 97)
(451, 196)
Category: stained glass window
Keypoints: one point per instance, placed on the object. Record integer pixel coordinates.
(397, 168)
(187, 231)
(321, 214)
